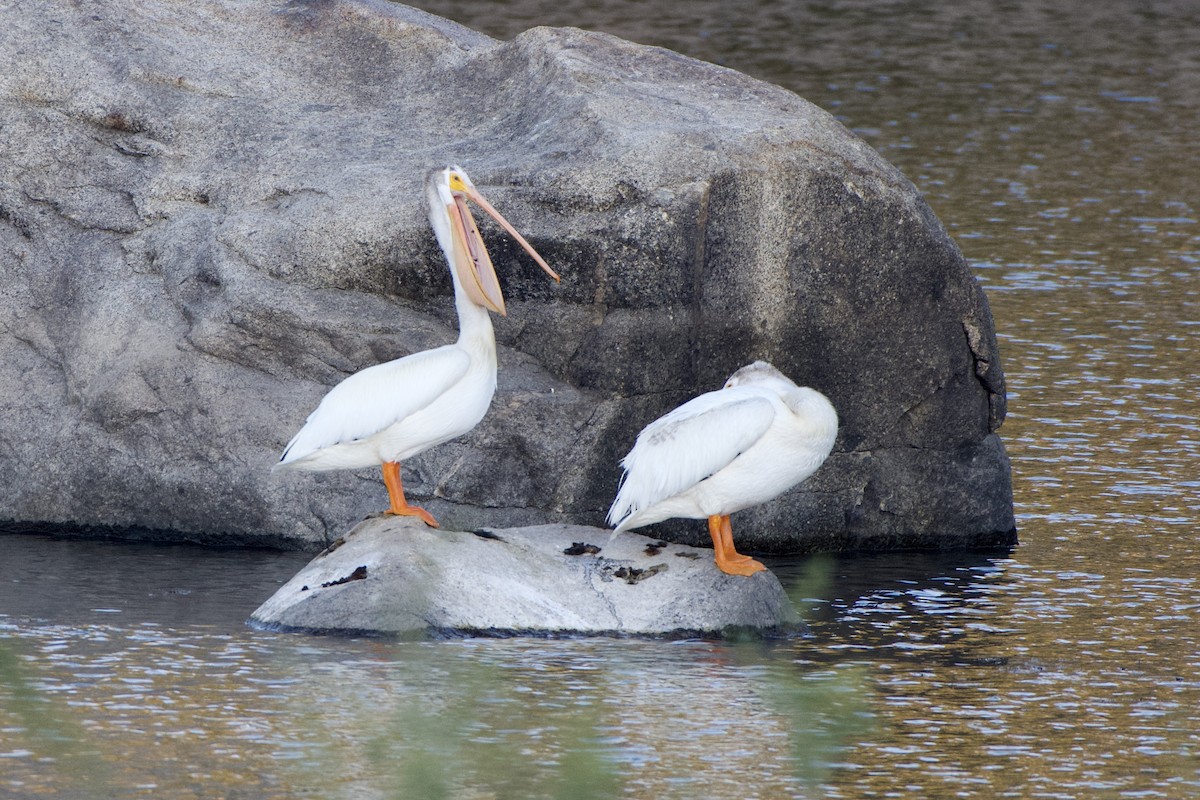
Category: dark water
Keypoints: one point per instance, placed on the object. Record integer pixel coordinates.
(1057, 143)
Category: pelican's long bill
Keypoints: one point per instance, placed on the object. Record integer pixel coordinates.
(470, 256)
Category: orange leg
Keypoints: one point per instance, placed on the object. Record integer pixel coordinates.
(399, 505)
(731, 553)
(728, 559)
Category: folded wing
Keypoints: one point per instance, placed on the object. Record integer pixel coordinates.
(376, 398)
(682, 448)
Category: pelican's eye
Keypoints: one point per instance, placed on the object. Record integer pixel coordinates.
(457, 184)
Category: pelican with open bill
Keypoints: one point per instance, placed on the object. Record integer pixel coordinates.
(389, 412)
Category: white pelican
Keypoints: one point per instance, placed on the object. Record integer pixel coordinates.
(389, 412)
(724, 451)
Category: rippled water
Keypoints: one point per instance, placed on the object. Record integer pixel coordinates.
(1056, 141)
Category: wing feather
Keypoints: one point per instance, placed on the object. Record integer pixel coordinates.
(377, 397)
(682, 448)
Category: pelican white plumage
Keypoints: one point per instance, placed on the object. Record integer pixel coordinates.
(724, 451)
(389, 412)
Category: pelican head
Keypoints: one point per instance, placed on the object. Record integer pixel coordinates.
(448, 191)
(761, 373)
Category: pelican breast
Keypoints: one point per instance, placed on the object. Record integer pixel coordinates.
(373, 400)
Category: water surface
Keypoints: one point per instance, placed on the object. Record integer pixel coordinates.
(1056, 142)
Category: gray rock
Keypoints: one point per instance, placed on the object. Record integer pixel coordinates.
(210, 213)
(396, 576)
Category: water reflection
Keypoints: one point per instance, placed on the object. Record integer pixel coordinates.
(170, 714)
(946, 670)
(86, 582)
(1013, 679)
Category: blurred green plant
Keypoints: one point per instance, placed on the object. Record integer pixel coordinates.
(828, 713)
(33, 721)
(810, 587)
(465, 720)
(463, 728)
(828, 706)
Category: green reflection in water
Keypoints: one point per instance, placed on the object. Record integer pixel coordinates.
(824, 707)
(154, 712)
(578, 721)
(467, 728)
(829, 708)
(37, 727)
(829, 712)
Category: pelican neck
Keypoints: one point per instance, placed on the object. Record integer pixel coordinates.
(474, 322)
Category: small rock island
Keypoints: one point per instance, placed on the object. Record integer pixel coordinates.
(395, 576)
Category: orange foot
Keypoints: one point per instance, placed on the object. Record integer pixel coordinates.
(399, 505)
(414, 511)
(728, 559)
(747, 566)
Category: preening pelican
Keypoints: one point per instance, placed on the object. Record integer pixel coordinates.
(389, 412)
(724, 451)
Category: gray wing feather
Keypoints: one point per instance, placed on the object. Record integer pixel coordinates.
(682, 448)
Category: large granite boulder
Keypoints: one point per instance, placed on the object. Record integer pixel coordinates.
(393, 575)
(211, 212)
